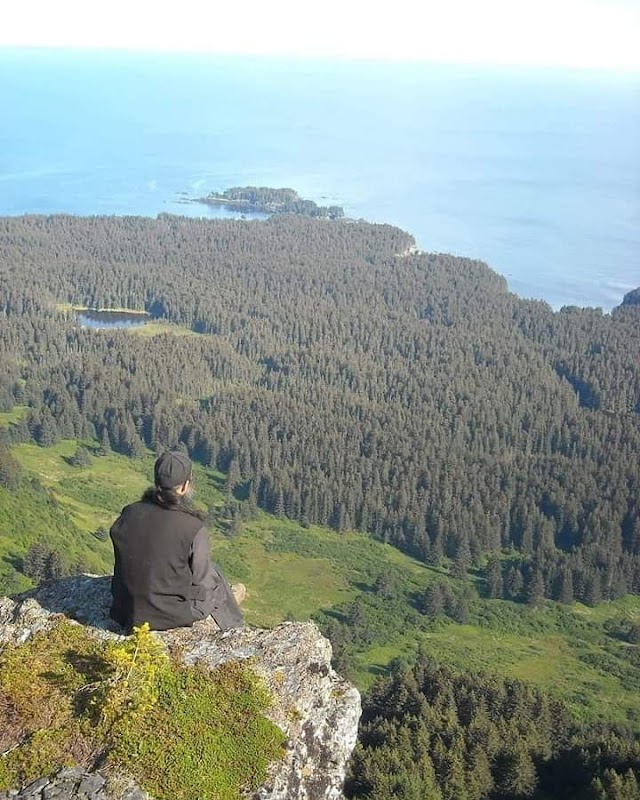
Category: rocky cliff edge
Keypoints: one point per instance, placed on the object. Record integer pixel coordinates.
(317, 710)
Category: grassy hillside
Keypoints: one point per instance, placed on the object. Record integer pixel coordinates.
(574, 652)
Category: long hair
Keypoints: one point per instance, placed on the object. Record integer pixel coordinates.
(171, 500)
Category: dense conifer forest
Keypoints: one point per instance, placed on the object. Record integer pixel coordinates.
(431, 733)
(345, 380)
(337, 376)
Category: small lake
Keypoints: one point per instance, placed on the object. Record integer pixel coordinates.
(112, 319)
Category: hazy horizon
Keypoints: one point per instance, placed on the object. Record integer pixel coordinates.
(576, 34)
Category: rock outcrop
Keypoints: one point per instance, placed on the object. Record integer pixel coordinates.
(317, 710)
(74, 784)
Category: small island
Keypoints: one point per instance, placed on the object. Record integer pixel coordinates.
(265, 200)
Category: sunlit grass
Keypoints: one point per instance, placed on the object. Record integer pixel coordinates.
(280, 585)
(11, 417)
(158, 328)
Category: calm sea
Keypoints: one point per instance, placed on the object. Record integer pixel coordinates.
(536, 173)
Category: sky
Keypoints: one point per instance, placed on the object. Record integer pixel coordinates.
(597, 34)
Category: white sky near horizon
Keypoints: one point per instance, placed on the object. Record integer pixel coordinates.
(598, 34)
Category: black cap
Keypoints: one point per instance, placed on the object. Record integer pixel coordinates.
(171, 470)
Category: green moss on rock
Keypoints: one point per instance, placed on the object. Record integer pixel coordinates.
(66, 697)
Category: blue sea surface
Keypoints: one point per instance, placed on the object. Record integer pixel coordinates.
(537, 173)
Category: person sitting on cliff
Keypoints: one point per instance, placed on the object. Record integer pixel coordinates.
(163, 574)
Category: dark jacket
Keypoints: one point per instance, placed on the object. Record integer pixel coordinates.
(162, 573)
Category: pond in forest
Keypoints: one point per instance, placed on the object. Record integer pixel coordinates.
(92, 318)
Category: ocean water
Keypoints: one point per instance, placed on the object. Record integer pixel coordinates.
(536, 173)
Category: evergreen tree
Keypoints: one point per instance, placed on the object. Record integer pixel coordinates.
(493, 576)
(432, 601)
(461, 561)
(55, 567)
(534, 588)
(614, 786)
(105, 445)
(81, 458)
(514, 771)
(34, 562)
(386, 585)
(460, 611)
(514, 583)
(593, 589)
(565, 594)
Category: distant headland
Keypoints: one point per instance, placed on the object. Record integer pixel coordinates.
(265, 200)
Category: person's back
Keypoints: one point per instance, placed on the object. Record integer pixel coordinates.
(152, 575)
(162, 573)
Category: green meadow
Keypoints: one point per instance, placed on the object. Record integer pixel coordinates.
(291, 572)
(158, 328)
(11, 417)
